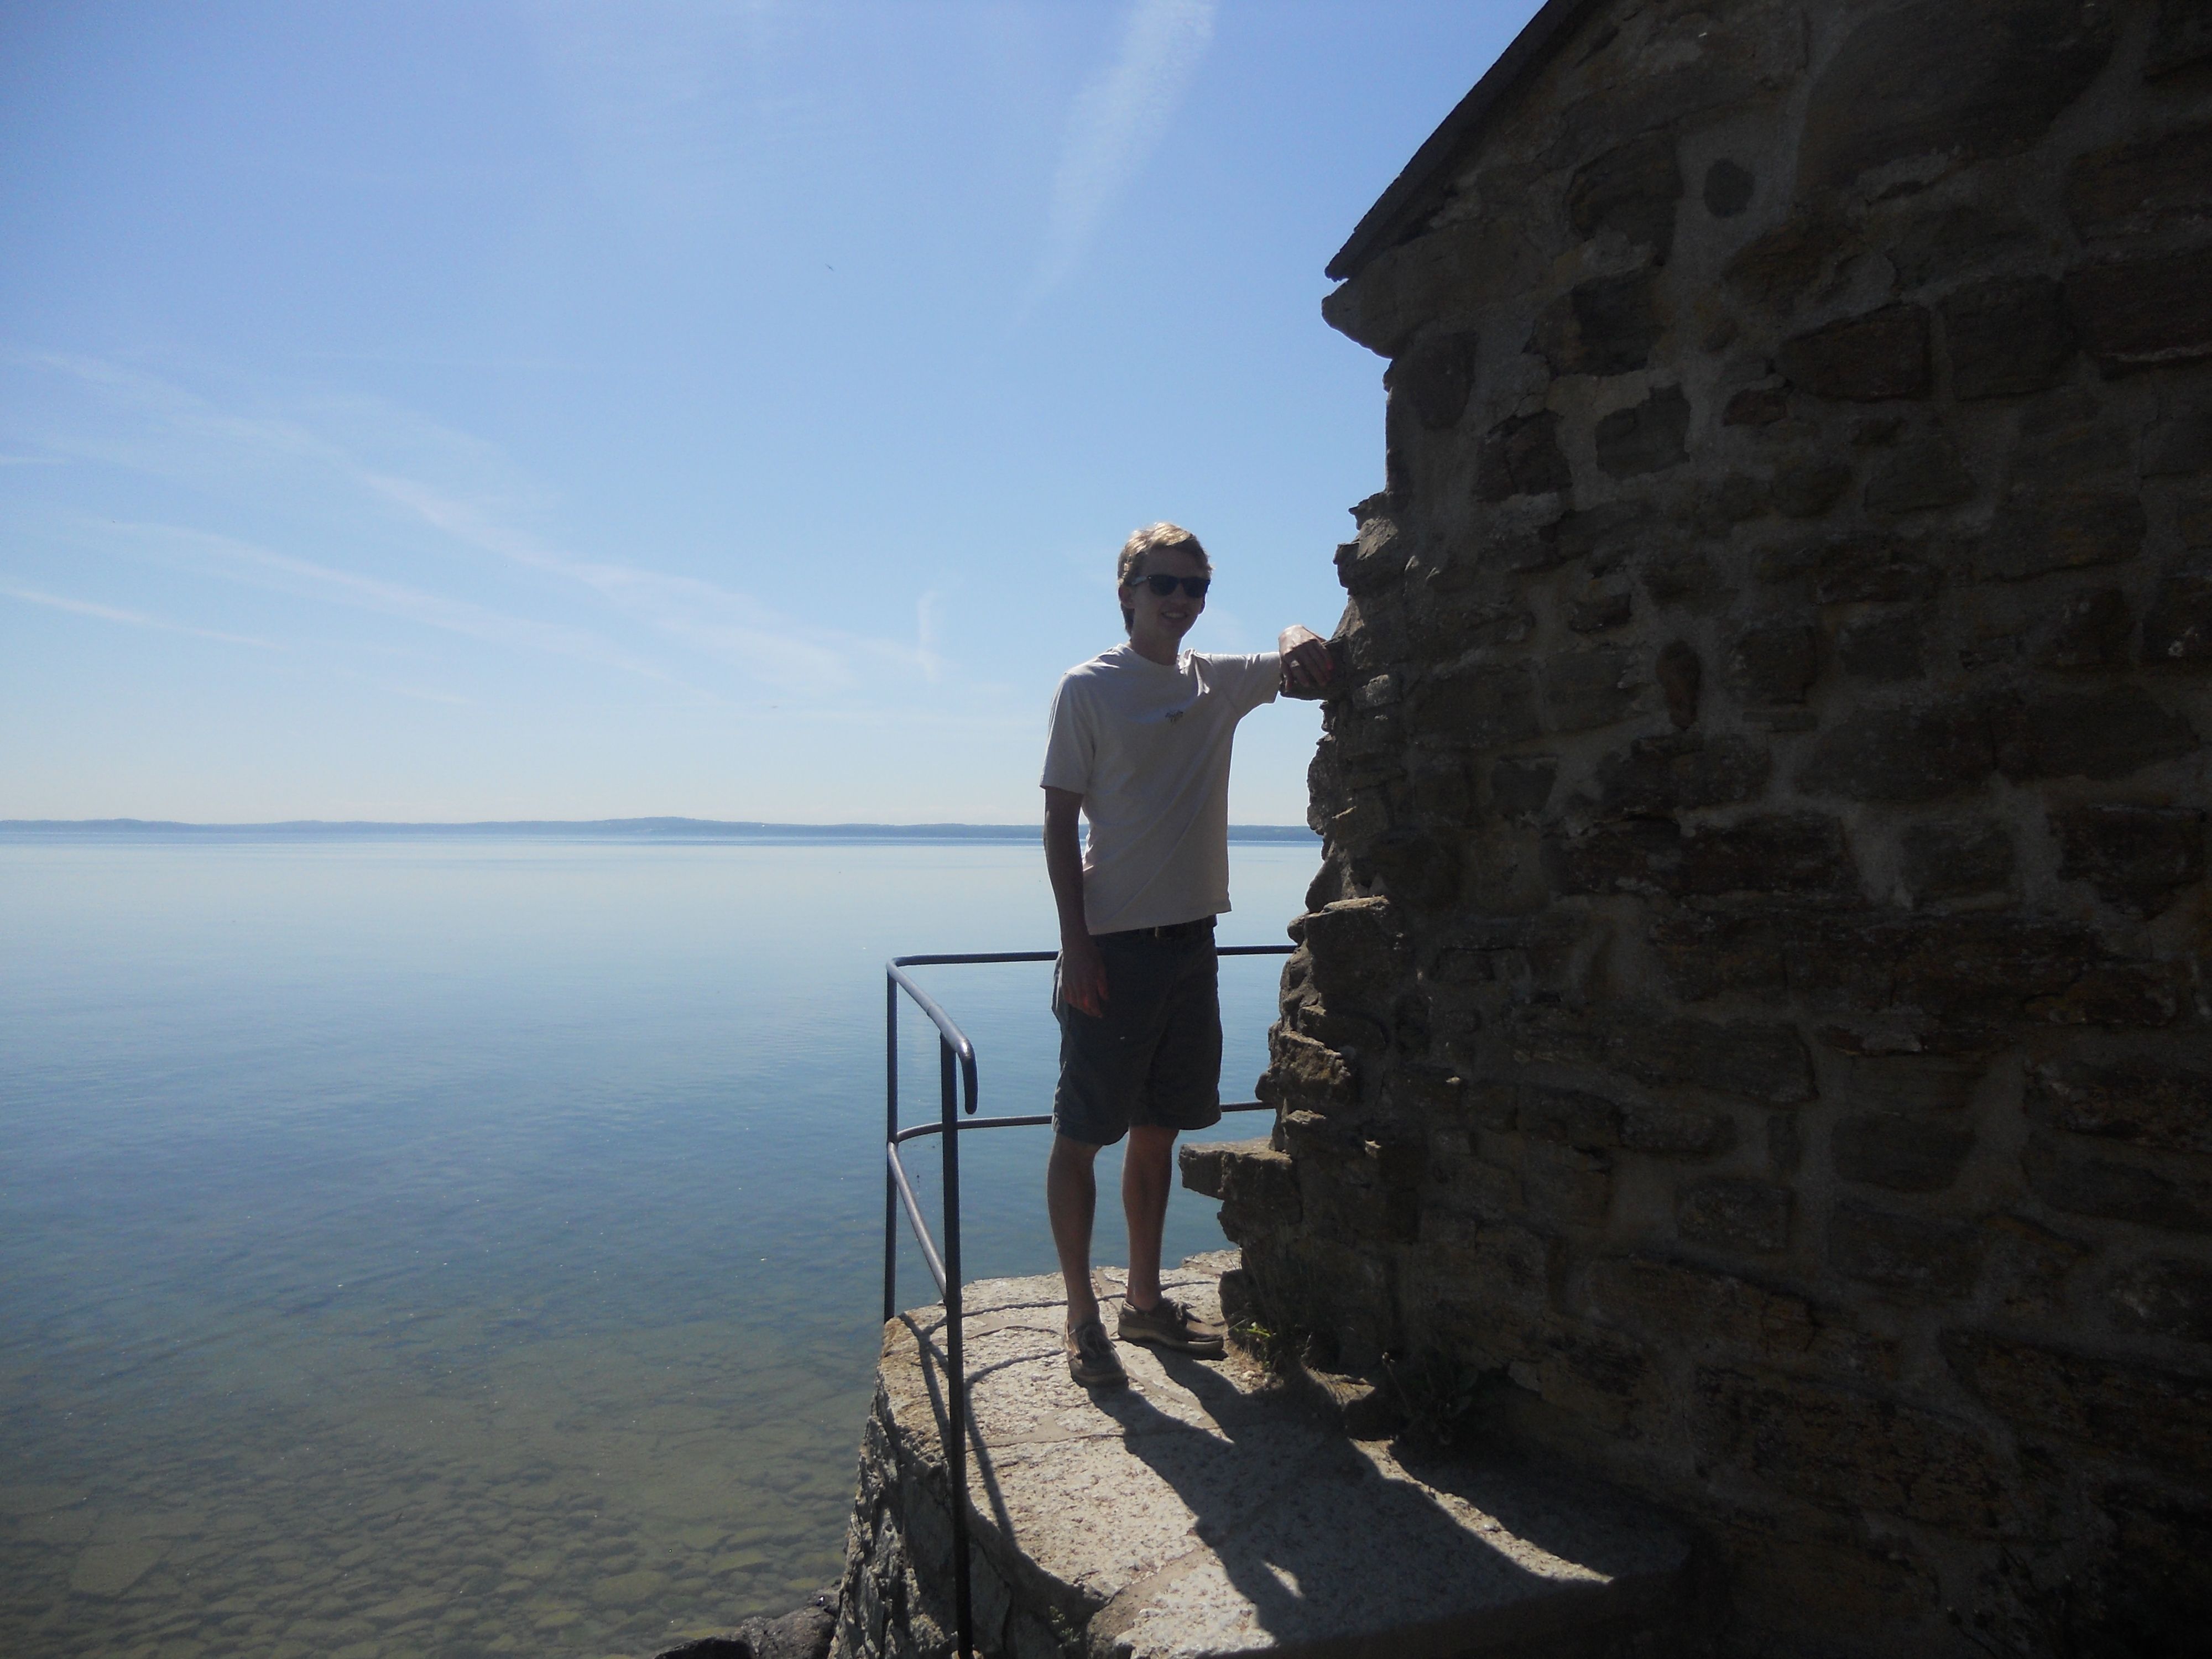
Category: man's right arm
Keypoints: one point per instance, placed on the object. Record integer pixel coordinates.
(1082, 970)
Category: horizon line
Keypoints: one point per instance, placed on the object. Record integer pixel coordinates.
(636, 825)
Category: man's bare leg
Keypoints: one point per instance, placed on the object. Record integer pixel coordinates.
(1147, 1171)
(1071, 1199)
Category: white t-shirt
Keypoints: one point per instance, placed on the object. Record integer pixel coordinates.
(1148, 747)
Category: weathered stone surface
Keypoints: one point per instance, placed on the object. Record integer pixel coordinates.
(1777, 267)
(1918, 478)
(1435, 376)
(1521, 784)
(2161, 184)
(1596, 616)
(1847, 1448)
(1680, 674)
(1855, 569)
(1630, 190)
(2136, 857)
(2162, 1296)
(1757, 405)
(1355, 946)
(1807, 488)
(1482, 708)
(1216, 1487)
(1658, 776)
(2032, 535)
(1255, 1184)
(1604, 327)
(1882, 647)
(2178, 628)
(2105, 733)
(1968, 236)
(1955, 859)
(1985, 77)
(1376, 560)
(2179, 447)
(1564, 1187)
(1302, 1073)
(2132, 1411)
(2181, 37)
(1773, 662)
(2090, 631)
(1736, 1215)
(1904, 1152)
(2142, 313)
(1522, 457)
(1781, 853)
(1911, 1254)
(1729, 188)
(1757, 1060)
(1905, 753)
(2148, 1102)
(1583, 689)
(1645, 437)
(2080, 1182)
(1675, 1132)
(1868, 359)
(2007, 336)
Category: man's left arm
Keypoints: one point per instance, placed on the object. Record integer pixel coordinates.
(1307, 665)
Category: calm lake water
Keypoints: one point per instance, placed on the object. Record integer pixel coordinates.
(451, 1246)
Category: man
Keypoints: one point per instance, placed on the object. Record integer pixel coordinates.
(1140, 746)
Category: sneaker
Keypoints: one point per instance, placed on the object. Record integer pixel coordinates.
(1091, 1361)
(1169, 1324)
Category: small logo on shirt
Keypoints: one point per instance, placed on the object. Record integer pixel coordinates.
(1175, 715)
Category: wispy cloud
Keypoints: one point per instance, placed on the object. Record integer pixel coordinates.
(131, 618)
(1117, 123)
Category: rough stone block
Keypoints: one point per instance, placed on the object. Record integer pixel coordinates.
(1773, 662)
(1684, 579)
(1356, 949)
(1596, 615)
(1912, 1253)
(1868, 359)
(2132, 1411)
(1736, 1215)
(1919, 478)
(1882, 647)
(1676, 1131)
(1778, 265)
(1661, 776)
(1807, 488)
(2008, 67)
(1754, 1058)
(2105, 733)
(1521, 456)
(2147, 1102)
(1482, 708)
(1955, 859)
(1646, 437)
(1905, 1152)
(1434, 377)
(2033, 535)
(1846, 1448)
(1757, 405)
(2181, 38)
(2179, 447)
(1729, 188)
(1568, 1117)
(1911, 1083)
(2136, 857)
(1680, 1303)
(2068, 1178)
(2008, 336)
(1908, 753)
(2161, 184)
(1966, 237)
(1604, 327)
(1374, 561)
(1858, 569)
(2090, 631)
(1521, 784)
(1305, 1073)
(1706, 952)
(2144, 313)
(1565, 1187)
(1630, 190)
(2178, 628)
(2162, 1296)
(1584, 690)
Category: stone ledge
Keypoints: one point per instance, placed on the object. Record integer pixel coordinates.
(1203, 1511)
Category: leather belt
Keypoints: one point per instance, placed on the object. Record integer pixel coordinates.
(1173, 930)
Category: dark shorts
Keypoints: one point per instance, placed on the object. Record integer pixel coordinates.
(1153, 1057)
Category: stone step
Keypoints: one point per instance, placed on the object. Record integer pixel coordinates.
(1205, 1511)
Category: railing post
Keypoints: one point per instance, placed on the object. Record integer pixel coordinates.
(890, 1136)
(955, 1382)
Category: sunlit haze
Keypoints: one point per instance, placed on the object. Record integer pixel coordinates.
(437, 411)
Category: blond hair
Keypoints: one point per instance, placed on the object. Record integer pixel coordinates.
(1154, 539)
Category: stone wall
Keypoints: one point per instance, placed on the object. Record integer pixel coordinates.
(1751, 1025)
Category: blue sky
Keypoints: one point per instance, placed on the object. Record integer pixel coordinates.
(483, 411)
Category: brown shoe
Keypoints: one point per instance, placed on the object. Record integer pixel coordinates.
(1091, 1361)
(1169, 1324)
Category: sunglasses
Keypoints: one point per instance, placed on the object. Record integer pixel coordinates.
(1165, 584)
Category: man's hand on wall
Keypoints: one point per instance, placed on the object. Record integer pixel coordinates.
(1307, 665)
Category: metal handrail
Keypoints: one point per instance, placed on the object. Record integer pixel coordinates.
(957, 1081)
